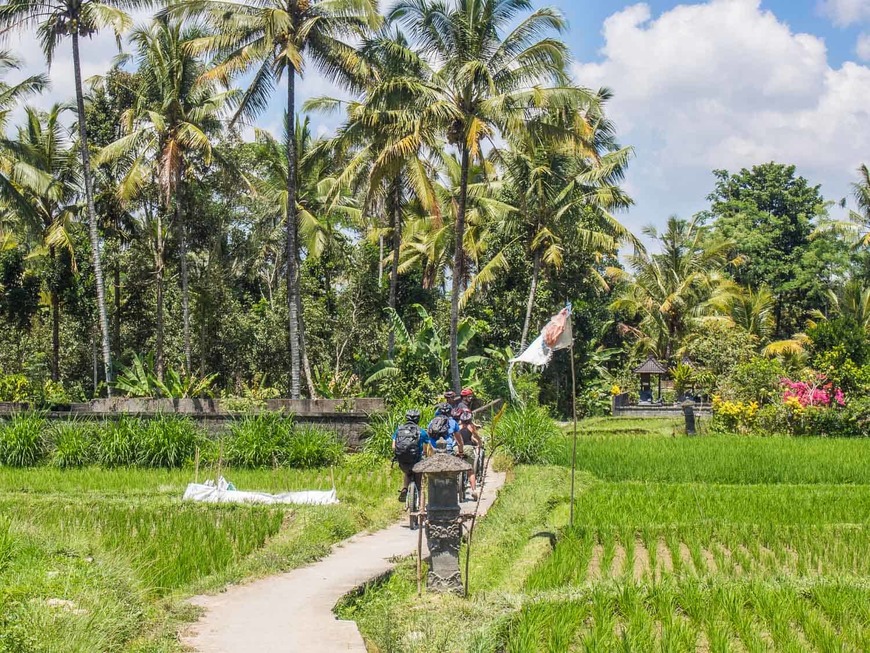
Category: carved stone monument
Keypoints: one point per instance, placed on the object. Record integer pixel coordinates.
(444, 527)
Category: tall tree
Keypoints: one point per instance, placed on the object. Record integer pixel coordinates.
(44, 153)
(169, 126)
(53, 20)
(769, 214)
(489, 63)
(670, 288)
(274, 38)
(564, 188)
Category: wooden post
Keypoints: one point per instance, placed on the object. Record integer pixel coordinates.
(574, 447)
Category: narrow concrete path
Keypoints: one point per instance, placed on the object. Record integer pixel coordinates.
(292, 612)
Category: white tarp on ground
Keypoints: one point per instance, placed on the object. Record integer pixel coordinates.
(225, 492)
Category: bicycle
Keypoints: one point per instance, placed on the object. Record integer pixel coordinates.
(412, 505)
(479, 464)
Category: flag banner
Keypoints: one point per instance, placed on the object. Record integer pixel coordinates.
(556, 335)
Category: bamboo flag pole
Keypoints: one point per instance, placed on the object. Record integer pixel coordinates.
(574, 447)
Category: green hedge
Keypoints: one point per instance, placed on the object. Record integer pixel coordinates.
(166, 441)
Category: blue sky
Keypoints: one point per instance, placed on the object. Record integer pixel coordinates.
(698, 85)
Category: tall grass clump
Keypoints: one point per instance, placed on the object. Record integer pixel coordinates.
(258, 440)
(313, 447)
(381, 426)
(529, 436)
(118, 442)
(22, 441)
(7, 543)
(74, 444)
(168, 441)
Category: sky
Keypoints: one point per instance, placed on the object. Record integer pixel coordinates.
(698, 86)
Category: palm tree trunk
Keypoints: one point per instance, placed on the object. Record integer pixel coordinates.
(55, 323)
(92, 215)
(533, 289)
(458, 270)
(292, 267)
(116, 317)
(306, 367)
(185, 283)
(159, 263)
(397, 244)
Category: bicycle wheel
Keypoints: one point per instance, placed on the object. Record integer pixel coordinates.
(479, 467)
(412, 506)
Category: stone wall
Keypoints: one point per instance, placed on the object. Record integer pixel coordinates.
(347, 417)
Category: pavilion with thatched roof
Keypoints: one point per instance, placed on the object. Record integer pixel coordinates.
(648, 369)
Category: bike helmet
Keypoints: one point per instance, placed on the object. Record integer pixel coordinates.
(444, 409)
(466, 392)
(450, 395)
(456, 412)
(466, 416)
(413, 415)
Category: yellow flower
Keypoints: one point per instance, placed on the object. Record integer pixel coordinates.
(615, 390)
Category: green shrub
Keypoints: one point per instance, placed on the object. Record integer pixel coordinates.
(168, 441)
(74, 444)
(22, 441)
(756, 380)
(258, 440)
(529, 436)
(118, 442)
(312, 447)
(15, 387)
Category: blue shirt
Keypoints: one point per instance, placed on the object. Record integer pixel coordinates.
(452, 429)
(424, 438)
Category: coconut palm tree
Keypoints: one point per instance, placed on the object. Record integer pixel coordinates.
(11, 96)
(492, 69)
(565, 189)
(53, 20)
(44, 152)
(274, 38)
(388, 143)
(668, 289)
(170, 127)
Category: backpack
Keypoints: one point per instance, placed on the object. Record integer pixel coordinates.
(408, 443)
(439, 427)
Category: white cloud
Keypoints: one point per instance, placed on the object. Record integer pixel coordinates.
(846, 12)
(862, 47)
(725, 84)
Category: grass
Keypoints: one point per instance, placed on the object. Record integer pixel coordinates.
(96, 559)
(722, 543)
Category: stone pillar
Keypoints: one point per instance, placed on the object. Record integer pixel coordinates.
(443, 527)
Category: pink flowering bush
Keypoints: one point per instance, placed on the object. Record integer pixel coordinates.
(817, 392)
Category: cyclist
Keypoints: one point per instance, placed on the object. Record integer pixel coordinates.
(466, 397)
(408, 440)
(443, 426)
(451, 398)
(468, 444)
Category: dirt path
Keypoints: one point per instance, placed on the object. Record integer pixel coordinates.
(292, 612)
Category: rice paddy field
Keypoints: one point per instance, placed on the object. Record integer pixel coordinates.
(95, 560)
(718, 543)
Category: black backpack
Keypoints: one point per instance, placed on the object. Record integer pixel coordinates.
(408, 443)
(439, 427)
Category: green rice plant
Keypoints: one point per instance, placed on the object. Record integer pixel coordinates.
(312, 447)
(7, 543)
(118, 442)
(74, 444)
(22, 441)
(529, 436)
(258, 440)
(168, 441)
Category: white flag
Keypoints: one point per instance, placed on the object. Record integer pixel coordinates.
(556, 335)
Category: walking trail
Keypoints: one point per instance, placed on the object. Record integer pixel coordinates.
(292, 612)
